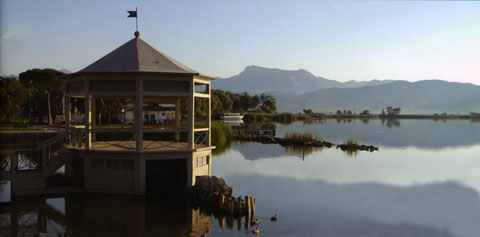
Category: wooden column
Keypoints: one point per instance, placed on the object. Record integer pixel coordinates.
(191, 116)
(88, 116)
(94, 117)
(67, 115)
(139, 115)
(209, 115)
(177, 119)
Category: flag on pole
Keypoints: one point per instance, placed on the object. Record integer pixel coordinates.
(132, 13)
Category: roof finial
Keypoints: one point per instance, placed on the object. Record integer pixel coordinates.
(137, 34)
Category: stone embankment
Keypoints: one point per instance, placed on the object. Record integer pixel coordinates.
(319, 143)
(346, 147)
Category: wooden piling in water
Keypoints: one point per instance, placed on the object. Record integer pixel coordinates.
(221, 202)
(239, 223)
(230, 222)
(247, 204)
(239, 205)
(252, 203)
(232, 205)
(247, 221)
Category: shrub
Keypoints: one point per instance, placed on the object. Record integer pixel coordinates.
(303, 137)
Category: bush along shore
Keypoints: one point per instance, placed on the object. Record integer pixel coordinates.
(305, 139)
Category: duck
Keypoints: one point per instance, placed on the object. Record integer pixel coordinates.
(274, 218)
(255, 222)
(256, 231)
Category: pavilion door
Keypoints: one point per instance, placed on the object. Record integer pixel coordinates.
(166, 176)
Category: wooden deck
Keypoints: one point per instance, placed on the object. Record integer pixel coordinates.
(130, 146)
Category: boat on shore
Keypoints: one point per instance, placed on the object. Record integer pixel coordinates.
(232, 117)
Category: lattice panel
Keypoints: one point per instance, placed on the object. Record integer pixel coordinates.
(5, 162)
(201, 138)
(27, 161)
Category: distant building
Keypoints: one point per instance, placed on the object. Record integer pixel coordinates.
(393, 111)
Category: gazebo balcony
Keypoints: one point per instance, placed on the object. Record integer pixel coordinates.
(123, 139)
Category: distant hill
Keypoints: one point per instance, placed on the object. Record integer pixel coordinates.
(65, 71)
(299, 89)
(9, 76)
(356, 84)
(255, 79)
(427, 96)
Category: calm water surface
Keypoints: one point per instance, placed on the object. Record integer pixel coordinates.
(424, 181)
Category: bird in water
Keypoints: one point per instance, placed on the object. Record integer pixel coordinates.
(255, 222)
(274, 218)
(256, 231)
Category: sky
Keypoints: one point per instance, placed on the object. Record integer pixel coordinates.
(339, 40)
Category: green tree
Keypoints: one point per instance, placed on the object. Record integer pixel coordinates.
(43, 81)
(245, 101)
(13, 95)
(269, 103)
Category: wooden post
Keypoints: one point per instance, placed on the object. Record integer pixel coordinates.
(247, 203)
(222, 202)
(252, 203)
(239, 206)
(229, 222)
(239, 223)
(221, 221)
(232, 205)
(247, 219)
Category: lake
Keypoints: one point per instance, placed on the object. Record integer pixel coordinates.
(424, 181)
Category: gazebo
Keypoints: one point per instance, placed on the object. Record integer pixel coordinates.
(144, 154)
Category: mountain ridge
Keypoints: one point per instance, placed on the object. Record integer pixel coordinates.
(299, 89)
(256, 79)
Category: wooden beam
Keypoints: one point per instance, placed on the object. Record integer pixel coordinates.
(202, 95)
(191, 117)
(139, 116)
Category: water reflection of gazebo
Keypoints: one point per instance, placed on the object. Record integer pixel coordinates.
(137, 73)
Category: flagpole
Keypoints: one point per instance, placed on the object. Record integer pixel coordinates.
(136, 18)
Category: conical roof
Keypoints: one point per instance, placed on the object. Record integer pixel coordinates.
(137, 56)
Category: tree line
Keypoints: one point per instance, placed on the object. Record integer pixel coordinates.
(38, 93)
(225, 102)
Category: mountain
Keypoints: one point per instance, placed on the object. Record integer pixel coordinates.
(255, 80)
(9, 76)
(427, 96)
(356, 84)
(66, 71)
